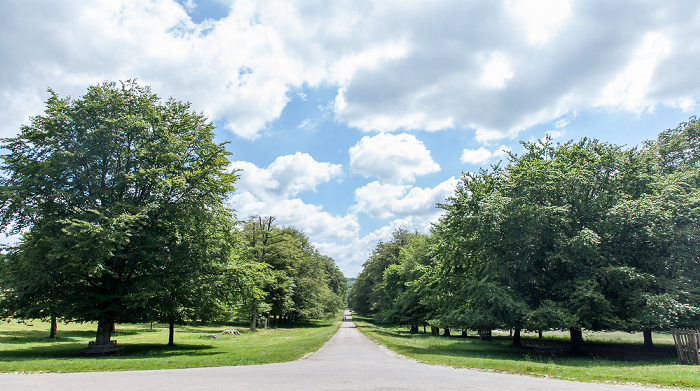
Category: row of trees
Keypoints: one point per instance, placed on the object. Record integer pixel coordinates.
(120, 201)
(581, 235)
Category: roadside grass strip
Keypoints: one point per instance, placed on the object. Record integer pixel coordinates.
(27, 349)
(617, 358)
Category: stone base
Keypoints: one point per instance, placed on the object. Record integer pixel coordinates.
(108, 348)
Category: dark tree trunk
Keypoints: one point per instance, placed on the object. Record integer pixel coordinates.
(254, 316)
(104, 332)
(447, 332)
(414, 328)
(54, 327)
(648, 342)
(464, 333)
(576, 339)
(424, 329)
(516, 338)
(171, 334)
(539, 334)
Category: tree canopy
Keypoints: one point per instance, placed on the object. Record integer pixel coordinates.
(571, 236)
(120, 197)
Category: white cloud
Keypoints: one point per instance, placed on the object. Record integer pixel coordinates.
(387, 200)
(497, 71)
(495, 67)
(482, 155)
(540, 19)
(631, 87)
(310, 219)
(350, 256)
(476, 155)
(391, 158)
(287, 176)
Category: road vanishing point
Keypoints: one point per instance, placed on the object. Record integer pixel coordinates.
(348, 361)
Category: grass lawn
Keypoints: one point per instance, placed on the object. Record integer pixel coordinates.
(25, 348)
(608, 357)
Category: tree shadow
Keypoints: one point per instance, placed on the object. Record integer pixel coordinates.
(25, 336)
(558, 352)
(135, 351)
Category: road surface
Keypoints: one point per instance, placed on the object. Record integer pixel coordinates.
(348, 361)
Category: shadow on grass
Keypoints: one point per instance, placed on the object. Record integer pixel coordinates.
(533, 350)
(24, 336)
(135, 351)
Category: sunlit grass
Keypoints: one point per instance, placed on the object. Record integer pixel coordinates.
(609, 357)
(25, 348)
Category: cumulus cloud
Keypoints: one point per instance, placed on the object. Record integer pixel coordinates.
(501, 67)
(350, 256)
(495, 67)
(387, 200)
(482, 155)
(287, 176)
(311, 219)
(391, 158)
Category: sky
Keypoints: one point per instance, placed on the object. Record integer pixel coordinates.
(351, 118)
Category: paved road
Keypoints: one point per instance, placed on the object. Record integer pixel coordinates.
(349, 361)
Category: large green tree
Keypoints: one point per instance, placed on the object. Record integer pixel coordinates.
(109, 190)
(368, 296)
(407, 284)
(299, 281)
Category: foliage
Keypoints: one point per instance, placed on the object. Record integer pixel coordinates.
(120, 198)
(298, 281)
(368, 296)
(572, 236)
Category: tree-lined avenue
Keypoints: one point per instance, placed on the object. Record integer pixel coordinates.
(348, 361)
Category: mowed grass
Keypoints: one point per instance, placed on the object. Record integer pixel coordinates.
(27, 349)
(607, 358)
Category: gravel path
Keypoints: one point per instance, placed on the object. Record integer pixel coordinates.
(349, 361)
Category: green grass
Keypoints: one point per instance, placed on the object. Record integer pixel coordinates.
(607, 358)
(28, 349)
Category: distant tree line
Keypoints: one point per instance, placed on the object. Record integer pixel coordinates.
(575, 236)
(120, 203)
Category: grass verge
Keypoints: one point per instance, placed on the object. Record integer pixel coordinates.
(608, 357)
(27, 349)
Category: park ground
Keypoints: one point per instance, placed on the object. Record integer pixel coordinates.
(608, 357)
(26, 348)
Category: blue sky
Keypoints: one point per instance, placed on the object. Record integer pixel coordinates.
(350, 119)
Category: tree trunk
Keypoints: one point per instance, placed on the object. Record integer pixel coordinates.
(464, 333)
(648, 342)
(171, 333)
(254, 316)
(104, 332)
(447, 332)
(576, 339)
(54, 327)
(539, 334)
(516, 338)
